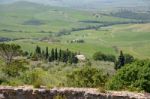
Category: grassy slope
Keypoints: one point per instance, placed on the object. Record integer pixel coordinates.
(133, 39)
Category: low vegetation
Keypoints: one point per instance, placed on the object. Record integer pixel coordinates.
(59, 47)
(87, 77)
(134, 76)
(131, 74)
(103, 57)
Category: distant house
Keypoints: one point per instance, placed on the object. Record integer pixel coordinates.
(77, 41)
(81, 57)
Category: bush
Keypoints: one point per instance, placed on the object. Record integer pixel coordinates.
(37, 84)
(104, 57)
(15, 68)
(128, 58)
(86, 77)
(14, 82)
(133, 76)
(3, 77)
(33, 77)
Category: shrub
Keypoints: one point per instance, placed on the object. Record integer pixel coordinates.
(34, 77)
(37, 77)
(134, 75)
(3, 77)
(15, 68)
(123, 59)
(14, 82)
(128, 58)
(37, 84)
(86, 77)
(104, 57)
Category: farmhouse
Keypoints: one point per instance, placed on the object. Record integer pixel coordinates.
(77, 41)
(81, 57)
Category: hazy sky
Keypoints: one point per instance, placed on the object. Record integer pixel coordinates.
(87, 2)
(73, 1)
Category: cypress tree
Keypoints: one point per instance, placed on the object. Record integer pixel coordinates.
(56, 54)
(37, 55)
(70, 58)
(43, 54)
(60, 54)
(52, 55)
(65, 56)
(121, 60)
(46, 53)
(38, 50)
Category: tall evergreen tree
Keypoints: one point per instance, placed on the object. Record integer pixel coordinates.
(64, 57)
(46, 53)
(43, 54)
(67, 55)
(121, 61)
(38, 50)
(56, 54)
(60, 55)
(70, 58)
(52, 55)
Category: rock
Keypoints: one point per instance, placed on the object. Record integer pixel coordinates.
(66, 93)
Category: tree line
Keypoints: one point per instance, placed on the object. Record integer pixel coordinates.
(54, 54)
(119, 61)
(9, 51)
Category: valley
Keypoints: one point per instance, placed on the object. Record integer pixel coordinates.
(24, 26)
(99, 44)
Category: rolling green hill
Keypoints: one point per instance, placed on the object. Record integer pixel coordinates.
(30, 24)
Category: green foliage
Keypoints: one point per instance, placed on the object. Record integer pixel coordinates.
(128, 58)
(52, 54)
(38, 50)
(134, 75)
(104, 57)
(37, 84)
(15, 68)
(14, 82)
(3, 77)
(9, 51)
(46, 53)
(86, 77)
(55, 55)
(33, 77)
(121, 61)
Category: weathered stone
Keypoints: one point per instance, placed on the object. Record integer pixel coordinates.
(67, 93)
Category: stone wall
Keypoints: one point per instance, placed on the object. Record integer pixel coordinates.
(65, 93)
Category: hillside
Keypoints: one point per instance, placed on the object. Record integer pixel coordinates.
(96, 44)
(23, 21)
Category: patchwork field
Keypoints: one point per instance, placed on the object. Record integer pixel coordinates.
(57, 27)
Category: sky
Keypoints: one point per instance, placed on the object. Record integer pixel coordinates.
(88, 3)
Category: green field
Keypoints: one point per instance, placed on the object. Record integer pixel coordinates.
(27, 26)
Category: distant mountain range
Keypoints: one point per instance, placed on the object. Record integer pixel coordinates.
(89, 4)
